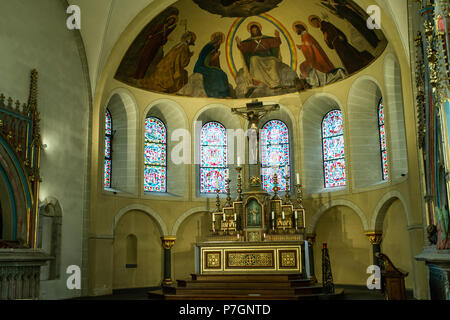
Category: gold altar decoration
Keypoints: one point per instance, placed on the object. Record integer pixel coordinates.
(270, 257)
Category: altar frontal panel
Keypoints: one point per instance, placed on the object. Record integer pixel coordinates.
(270, 259)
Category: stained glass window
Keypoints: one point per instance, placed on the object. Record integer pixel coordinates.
(333, 149)
(382, 131)
(108, 150)
(214, 158)
(275, 155)
(155, 162)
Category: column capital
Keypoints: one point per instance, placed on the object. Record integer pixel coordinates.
(168, 242)
(374, 237)
(311, 237)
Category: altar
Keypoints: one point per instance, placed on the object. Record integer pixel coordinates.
(244, 257)
(258, 232)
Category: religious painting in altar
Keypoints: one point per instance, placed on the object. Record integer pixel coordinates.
(254, 212)
(250, 48)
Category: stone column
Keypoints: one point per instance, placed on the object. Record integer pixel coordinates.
(375, 238)
(311, 238)
(167, 243)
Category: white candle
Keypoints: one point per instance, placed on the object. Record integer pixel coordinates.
(264, 235)
(235, 218)
(238, 161)
(282, 215)
(295, 214)
(298, 178)
(238, 235)
(273, 215)
(214, 217)
(224, 217)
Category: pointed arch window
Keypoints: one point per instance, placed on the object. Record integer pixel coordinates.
(214, 158)
(275, 152)
(155, 162)
(333, 149)
(383, 148)
(108, 150)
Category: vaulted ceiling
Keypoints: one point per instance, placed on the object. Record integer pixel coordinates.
(103, 21)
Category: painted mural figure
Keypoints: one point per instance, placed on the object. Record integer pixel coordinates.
(262, 57)
(170, 74)
(315, 57)
(215, 80)
(317, 70)
(352, 59)
(344, 10)
(156, 39)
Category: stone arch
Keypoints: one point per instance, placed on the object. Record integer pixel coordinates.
(124, 112)
(186, 215)
(174, 118)
(379, 213)
(311, 225)
(311, 115)
(364, 137)
(220, 113)
(395, 124)
(147, 210)
(18, 197)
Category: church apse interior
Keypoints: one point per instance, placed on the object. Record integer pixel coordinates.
(172, 146)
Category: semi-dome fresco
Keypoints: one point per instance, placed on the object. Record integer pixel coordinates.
(250, 48)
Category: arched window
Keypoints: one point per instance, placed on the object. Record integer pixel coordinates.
(108, 150)
(155, 162)
(275, 152)
(214, 158)
(333, 149)
(382, 131)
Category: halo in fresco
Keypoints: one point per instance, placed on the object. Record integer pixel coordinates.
(302, 44)
(237, 8)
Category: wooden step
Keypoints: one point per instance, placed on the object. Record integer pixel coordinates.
(257, 289)
(245, 277)
(317, 296)
(243, 284)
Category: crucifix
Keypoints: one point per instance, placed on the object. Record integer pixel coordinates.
(253, 112)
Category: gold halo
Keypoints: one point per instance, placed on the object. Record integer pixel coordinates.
(254, 23)
(299, 23)
(173, 16)
(216, 34)
(312, 17)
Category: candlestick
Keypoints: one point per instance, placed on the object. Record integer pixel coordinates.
(304, 221)
(239, 184)
(228, 202)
